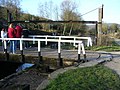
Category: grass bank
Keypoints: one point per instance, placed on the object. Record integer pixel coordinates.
(89, 78)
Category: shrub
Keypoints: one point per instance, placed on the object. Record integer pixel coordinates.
(106, 40)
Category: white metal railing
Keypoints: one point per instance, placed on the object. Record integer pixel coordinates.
(79, 42)
(89, 40)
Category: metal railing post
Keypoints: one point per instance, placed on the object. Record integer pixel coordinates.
(79, 52)
(74, 41)
(83, 50)
(39, 53)
(21, 49)
(5, 48)
(59, 40)
(46, 40)
(59, 61)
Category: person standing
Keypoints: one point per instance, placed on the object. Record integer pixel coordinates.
(25, 35)
(3, 35)
(19, 31)
(12, 34)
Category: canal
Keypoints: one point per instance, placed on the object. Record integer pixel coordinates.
(8, 68)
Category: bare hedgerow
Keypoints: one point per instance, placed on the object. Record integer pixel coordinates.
(106, 40)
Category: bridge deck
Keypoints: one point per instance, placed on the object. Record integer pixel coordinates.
(53, 53)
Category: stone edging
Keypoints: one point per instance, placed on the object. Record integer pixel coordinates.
(62, 70)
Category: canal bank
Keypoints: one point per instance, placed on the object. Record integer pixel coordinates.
(28, 79)
(33, 77)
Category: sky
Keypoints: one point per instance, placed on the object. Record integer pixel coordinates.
(111, 8)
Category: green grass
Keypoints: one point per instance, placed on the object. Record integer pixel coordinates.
(104, 48)
(89, 78)
(112, 47)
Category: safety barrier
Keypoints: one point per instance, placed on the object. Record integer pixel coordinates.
(89, 40)
(59, 41)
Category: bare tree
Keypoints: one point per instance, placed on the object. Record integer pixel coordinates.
(56, 9)
(67, 8)
(10, 6)
(45, 10)
(13, 6)
(41, 10)
(69, 12)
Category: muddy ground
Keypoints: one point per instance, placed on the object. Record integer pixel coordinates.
(25, 80)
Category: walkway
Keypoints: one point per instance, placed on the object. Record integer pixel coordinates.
(66, 54)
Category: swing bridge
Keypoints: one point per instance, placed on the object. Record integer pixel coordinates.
(76, 41)
(58, 39)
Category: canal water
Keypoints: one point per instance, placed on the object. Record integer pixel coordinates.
(8, 68)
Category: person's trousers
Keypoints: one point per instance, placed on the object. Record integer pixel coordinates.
(13, 46)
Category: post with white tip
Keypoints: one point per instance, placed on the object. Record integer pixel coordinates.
(21, 49)
(83, 51)
(39, 53)
(59, 61)
(5, 48)
(79, 52)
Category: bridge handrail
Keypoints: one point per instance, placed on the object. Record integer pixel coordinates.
(80, 44)
(89, 40)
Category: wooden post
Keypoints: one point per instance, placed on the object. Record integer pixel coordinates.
(96, 34)
(100, 17)
(99, 26)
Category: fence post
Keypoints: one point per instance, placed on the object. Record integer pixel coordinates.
(84, 54)
(74, 41)
(5, 48)
(21, 49)
(79, 52)
(46, 40)
(39, 53)
(33, 41)
(59, 61)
